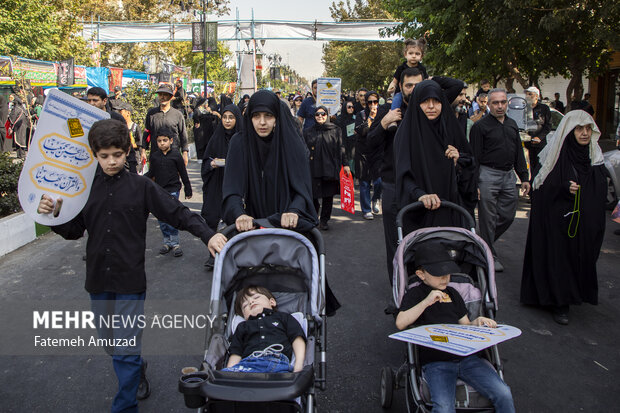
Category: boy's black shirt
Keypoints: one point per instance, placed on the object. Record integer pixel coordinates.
(115, 217)
(438, 313)
(261, 331)
(166, 169)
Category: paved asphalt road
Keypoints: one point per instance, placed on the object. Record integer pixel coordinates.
(550, 368)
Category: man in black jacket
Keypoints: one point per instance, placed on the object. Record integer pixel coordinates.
(98, 98)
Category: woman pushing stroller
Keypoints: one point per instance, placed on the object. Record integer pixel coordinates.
(268, 174)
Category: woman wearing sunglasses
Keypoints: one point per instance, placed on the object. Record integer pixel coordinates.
(368, 159)
(327, 156)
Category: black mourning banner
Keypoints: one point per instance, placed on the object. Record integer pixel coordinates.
(198, 37)
(66, 73)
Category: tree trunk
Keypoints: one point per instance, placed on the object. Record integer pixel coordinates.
(516, 74)
(575, 87)
(509, 85)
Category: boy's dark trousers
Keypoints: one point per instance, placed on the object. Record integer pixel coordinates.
(127, 361)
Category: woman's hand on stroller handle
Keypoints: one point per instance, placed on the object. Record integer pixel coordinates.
(216, 243)
(244, 223)
(430, 201)
(289, 220)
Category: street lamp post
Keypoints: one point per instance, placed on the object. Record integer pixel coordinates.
(203, 21)
(204, 46)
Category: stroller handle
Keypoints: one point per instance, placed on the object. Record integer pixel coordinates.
(315, 233)
(414, 206)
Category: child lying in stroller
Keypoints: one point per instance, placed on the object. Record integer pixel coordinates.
(265, 342)
(433, 302)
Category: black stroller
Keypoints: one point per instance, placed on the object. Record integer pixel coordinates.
(286, 263)
(475, 283)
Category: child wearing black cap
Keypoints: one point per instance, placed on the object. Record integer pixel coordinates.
(434, 302)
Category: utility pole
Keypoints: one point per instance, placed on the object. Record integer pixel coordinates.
(204, 46)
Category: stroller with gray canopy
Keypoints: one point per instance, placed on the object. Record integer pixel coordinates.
(287, 263)
(476, 285)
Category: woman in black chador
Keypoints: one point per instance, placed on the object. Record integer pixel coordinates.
(213, 164)
(267, 172)
(433, 159)
(567, 219)
(327, 156)
(19, 122)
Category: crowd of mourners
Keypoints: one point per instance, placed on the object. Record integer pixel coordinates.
(279, 158)
(425, 140)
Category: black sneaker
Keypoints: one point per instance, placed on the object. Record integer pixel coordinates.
(177, 251)
(560, 315)
(323, 226)
(165, 249)
(144, 388)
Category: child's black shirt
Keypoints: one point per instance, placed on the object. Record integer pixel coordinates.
(438, 313)
(261, 331)
(115, 217)
(401, 68)
(166, 169)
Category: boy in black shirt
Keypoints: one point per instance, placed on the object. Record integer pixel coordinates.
(115, 217)
(165, 168)
(433, 302)
(265, 342)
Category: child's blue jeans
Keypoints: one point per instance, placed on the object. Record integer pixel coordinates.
(441, 378)
(170, 233)
(365, 199)
(268, 363)
(397, 101)
(127, 361)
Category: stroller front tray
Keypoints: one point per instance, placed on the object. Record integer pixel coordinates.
(254, 387)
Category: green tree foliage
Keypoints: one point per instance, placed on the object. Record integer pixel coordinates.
(9, 175)
(141, 97)
(361, 64)
(29, 28)
(514, 40)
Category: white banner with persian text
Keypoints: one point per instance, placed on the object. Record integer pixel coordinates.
(60, 162)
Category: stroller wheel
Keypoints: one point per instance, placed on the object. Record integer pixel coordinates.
(387, 387)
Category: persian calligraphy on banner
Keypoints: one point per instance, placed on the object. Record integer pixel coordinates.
(60, 162)
(328, 93)
(462, 340)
